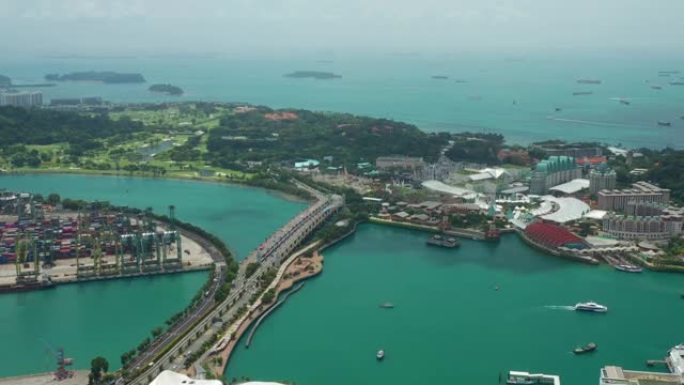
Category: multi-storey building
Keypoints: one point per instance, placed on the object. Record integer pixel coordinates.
(553, 171)
(617, 200)
(602, 178)
(21, 99)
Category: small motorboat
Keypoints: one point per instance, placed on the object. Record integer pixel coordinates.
(590, 347)
(380, 355)
(628, 268)
(590, 307)
(387, 305)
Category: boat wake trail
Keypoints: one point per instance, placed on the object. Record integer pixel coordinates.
(559, 307)
(591, 122)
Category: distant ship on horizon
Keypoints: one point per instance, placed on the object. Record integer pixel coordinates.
(589, 81)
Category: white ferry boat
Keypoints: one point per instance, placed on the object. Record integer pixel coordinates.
(590, 306)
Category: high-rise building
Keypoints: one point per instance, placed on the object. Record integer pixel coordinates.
(641, 192)
(553, 171)
(21, 99)
(602, 178)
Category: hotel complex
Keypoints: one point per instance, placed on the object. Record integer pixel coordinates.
(643, 228)
(617, 200)
(553, 171)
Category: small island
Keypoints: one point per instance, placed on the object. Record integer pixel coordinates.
(5, 81)
(108, 77)
(168, 89)
(313, 74)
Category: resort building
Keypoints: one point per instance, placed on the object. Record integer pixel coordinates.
(575, 152)
(615, 375)
(399, 162)
(21, 99)
(602, 178)
(553, 171)
(643, 228)
(617, 200)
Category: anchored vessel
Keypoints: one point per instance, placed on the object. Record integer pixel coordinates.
(438, 240)
(590, 347)
(628, 268)
(590, 307)
(664, 123)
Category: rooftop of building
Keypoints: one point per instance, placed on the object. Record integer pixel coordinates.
(571, 187)
(637, 188)
(567, 209)
(555, 164)
(438, 186)
(619, 376)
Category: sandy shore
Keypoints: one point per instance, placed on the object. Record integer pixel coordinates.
(80, 378)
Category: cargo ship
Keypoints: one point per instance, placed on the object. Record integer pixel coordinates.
(21, 287)
(588, 81)
(664, 123)
(577, 93)
(438, 240)
(677, 83)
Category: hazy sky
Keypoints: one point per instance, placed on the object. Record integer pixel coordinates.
(196, 26)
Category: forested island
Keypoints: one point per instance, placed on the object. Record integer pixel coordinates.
(313, 74)
(108, 77)
(243, 142)
(168, 89)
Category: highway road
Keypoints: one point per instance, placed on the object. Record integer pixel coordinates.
(199, 325)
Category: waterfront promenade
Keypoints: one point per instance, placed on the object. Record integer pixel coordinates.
(192, 332)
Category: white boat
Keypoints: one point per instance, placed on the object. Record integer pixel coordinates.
(590, 306)
(380, 354)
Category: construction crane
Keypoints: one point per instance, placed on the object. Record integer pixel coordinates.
(61, 373)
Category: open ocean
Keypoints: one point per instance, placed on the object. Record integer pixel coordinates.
(515, 96)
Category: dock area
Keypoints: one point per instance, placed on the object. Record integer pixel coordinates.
(64, 271)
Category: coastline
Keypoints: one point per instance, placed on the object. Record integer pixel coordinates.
(287, 279)
(118, 174)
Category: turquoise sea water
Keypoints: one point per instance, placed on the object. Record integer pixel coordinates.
(516, 96)
(450, 326)
(242, 216)
(109, 318)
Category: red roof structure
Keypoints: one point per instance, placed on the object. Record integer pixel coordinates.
(554, 236)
